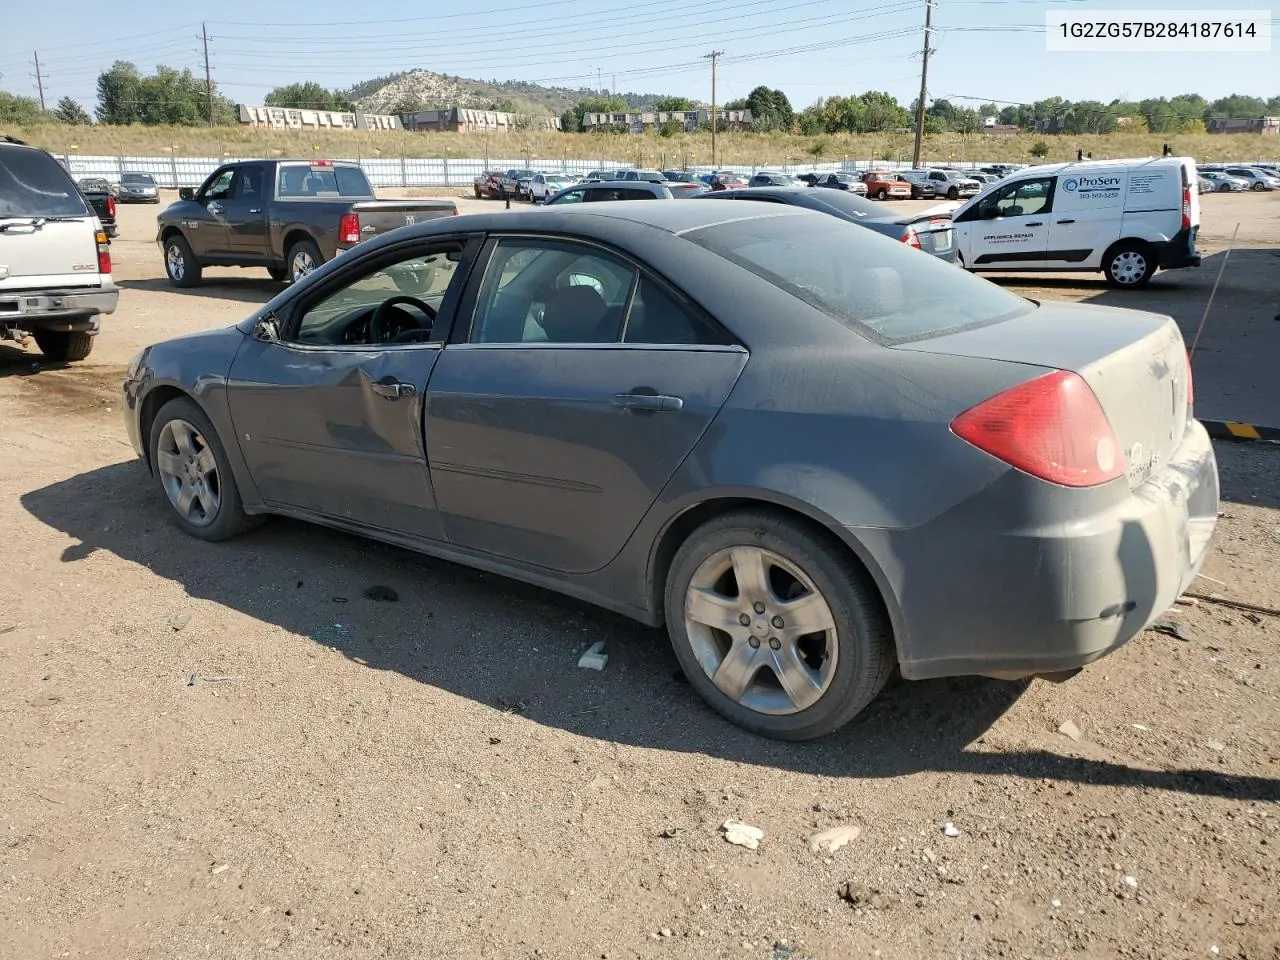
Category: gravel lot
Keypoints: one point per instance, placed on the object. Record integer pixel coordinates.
(434, 777)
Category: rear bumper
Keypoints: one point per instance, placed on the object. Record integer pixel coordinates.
(1051, 596)
(65, 310)
(1179, 252)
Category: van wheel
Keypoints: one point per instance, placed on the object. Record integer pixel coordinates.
(62, 346)
(1129, 265)
(180, 264)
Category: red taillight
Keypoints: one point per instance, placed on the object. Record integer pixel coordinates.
(349, 228)
(911, 238)
(1051, 427)
(111, 206)
(1186, 208)
(104, 253)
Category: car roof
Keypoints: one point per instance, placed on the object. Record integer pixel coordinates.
(671, 217)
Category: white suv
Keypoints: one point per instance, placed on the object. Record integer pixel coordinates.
(55, 262)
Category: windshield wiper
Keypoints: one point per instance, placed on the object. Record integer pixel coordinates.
(37, 222)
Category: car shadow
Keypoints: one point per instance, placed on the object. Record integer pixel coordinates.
(514, 648)
(246, 289)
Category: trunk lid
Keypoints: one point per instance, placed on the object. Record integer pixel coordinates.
(37, 254)
(1135, 363)
(382, 216)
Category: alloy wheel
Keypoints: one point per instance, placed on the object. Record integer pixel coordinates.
(761, 630)
(302, 265)
(189, 472)
(174, 262)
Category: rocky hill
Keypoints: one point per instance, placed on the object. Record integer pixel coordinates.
(422, 89)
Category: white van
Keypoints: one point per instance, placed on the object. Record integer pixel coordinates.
(1125, 218)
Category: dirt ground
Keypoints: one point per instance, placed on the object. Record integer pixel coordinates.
(227, 750)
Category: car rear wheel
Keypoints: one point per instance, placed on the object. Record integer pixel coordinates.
(775, 627)
(180, 264)
(191, 465)
(1129, 265)
(304, 256)
(1259, 185)
(62, 346)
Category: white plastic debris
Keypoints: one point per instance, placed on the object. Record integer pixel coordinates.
(833, 839)
(1070, 730)
(1217, 746)
(1055, 904)
(595, 658)
(742, 834)
(1140, 726)
(1131, 882)
(949, 830)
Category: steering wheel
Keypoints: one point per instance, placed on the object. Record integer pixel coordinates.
(379, 318)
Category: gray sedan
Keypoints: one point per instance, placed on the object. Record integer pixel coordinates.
(809, 452)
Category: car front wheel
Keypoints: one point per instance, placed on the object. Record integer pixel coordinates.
(191, 465)
(775, 627)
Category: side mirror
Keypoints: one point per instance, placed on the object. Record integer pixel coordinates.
(990, 213)
(267, 329)
(186, 193)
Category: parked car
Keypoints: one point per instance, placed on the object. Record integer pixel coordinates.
(931, 233)
(708, 469)
(681, 176)
(723, 181)
(920, 189)
(1257, 179)
(488, 185)
(983, 178)
(766, 178)
(1223, 182)
(811, 177)
(98, 185)
(101, 199)
(947, 183)
(543, 186)
(1205, 185)
(649, 176)
(1125, 218)
(885, 186)
(289, 216)
(599, 175)
(516, 182)
(596, 191)
(138, 188)
(55, 260)
(849, 182)
(1269, 169)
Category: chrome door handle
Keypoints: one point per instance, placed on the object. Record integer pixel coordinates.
(394, 389)
(647, 401)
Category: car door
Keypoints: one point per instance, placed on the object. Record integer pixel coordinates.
(1009, 227)
(1088, 211)
(206, 228)
(558, 413)
(328, 414)
(245, 211)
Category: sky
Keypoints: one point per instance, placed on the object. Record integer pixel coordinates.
(983, 50)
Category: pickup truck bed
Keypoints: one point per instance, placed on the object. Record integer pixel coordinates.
(287, 216)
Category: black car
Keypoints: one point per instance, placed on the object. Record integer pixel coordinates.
(99, 194)
(931, 233)
(811, 178)
(920, 189)
(767, 178)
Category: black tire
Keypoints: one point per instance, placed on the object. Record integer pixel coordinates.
(953, 194)
(1119, 263)
(296, 252)
(63, 346)
(864, 645)
(1224, 188)
(882, 194)
(184, 271)
(1259, 185)
(277, 273)
(476, 188)
(230, 519)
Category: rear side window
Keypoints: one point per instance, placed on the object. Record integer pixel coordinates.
(297, 181)
(33, 184)
(876, 286)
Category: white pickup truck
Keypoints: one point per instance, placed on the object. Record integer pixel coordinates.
(55, 262)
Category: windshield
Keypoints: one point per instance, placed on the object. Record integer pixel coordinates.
(140, 178)
(33, 184)
(882, 289)
(844, 202)
(298, 181)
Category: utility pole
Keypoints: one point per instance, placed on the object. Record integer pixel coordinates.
(208, 75)
(924, 84)
(599, 83)
(713, 56)
(39, 79)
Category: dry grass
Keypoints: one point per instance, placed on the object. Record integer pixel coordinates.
(649, 150)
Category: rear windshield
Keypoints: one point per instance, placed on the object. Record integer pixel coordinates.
(33, 184)
(844, 202)
(883, 289)
(299, 181)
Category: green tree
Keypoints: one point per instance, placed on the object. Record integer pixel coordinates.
(18, 111)
(70, 112)
(1040, 149)
(1236, 106)
(308, 96)
(770, 109)
(168, 96)
(119, 93)
(593, 105)
(674, 105)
